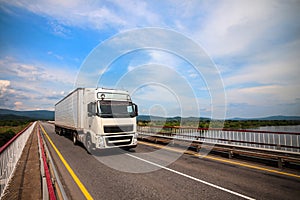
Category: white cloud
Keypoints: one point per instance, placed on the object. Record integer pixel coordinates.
(231, 28)
(264, 95)
(90, 14)
(271, 78)
(5, 88)
(18, 105)
(4, 84)
(6, 92)
(165, 58)
(32, 86)
(157, 84)
(138, 13)
(130, 67)
(34, 72)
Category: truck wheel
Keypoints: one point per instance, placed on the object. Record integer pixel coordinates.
(58, 132)
(130, 148)
(126, 148)
(75, 141)
(89, 145)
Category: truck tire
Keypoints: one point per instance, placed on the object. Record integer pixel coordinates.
(129, 148)
(89, 145)
(126, 148)
(75, 141)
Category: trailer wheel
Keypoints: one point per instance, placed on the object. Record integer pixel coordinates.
(89, 144)
(75, 141)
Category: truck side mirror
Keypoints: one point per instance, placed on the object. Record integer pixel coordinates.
(136, 109)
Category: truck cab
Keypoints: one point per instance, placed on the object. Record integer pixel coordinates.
(110, 121)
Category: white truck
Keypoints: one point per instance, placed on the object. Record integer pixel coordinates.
(99, 118)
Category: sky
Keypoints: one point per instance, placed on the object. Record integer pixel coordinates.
(252, 48)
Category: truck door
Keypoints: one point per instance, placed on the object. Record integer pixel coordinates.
(91, 114)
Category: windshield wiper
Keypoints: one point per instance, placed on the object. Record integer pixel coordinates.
(105, 115)
(115, 115)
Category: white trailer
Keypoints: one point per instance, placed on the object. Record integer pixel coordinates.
(99, 118)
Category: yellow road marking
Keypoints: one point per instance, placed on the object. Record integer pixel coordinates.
(70, 170)
(220, 159)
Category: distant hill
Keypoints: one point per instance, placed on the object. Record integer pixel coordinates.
(157, 118)
(177, 118)
(278, 117)
(13, 117)
(36, 114)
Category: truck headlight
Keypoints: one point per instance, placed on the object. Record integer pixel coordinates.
(135, 136)
(101, 141)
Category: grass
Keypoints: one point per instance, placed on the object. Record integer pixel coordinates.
(7, 131)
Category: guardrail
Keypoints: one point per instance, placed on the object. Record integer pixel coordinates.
(48, 192)
(286, 141)
(10, 154)
(280, 146)
(52, 187)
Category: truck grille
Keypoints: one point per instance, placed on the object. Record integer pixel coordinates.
(118, 129)
(118, 140)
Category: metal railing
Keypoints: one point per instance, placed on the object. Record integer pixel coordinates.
(282, 141)
(10, 154)
(56, 185)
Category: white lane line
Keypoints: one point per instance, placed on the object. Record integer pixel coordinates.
(191, 177)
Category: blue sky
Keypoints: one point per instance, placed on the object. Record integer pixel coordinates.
(255, 46)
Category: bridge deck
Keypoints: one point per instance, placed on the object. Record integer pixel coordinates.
(106, 174)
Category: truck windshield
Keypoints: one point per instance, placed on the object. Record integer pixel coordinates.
(115, 109)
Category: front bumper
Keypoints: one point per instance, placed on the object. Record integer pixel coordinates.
(120, 140)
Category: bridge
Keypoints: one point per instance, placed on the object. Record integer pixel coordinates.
(169, 163)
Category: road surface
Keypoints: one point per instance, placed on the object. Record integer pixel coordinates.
(140, 174)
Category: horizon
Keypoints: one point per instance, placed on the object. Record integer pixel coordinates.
(253, 46)
(232, 118)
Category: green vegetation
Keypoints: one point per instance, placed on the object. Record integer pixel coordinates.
(250, 124)
(227, 124)
(9, 128)
(172, 123)
(12, 122)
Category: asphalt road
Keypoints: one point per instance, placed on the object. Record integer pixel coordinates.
(145, 173)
